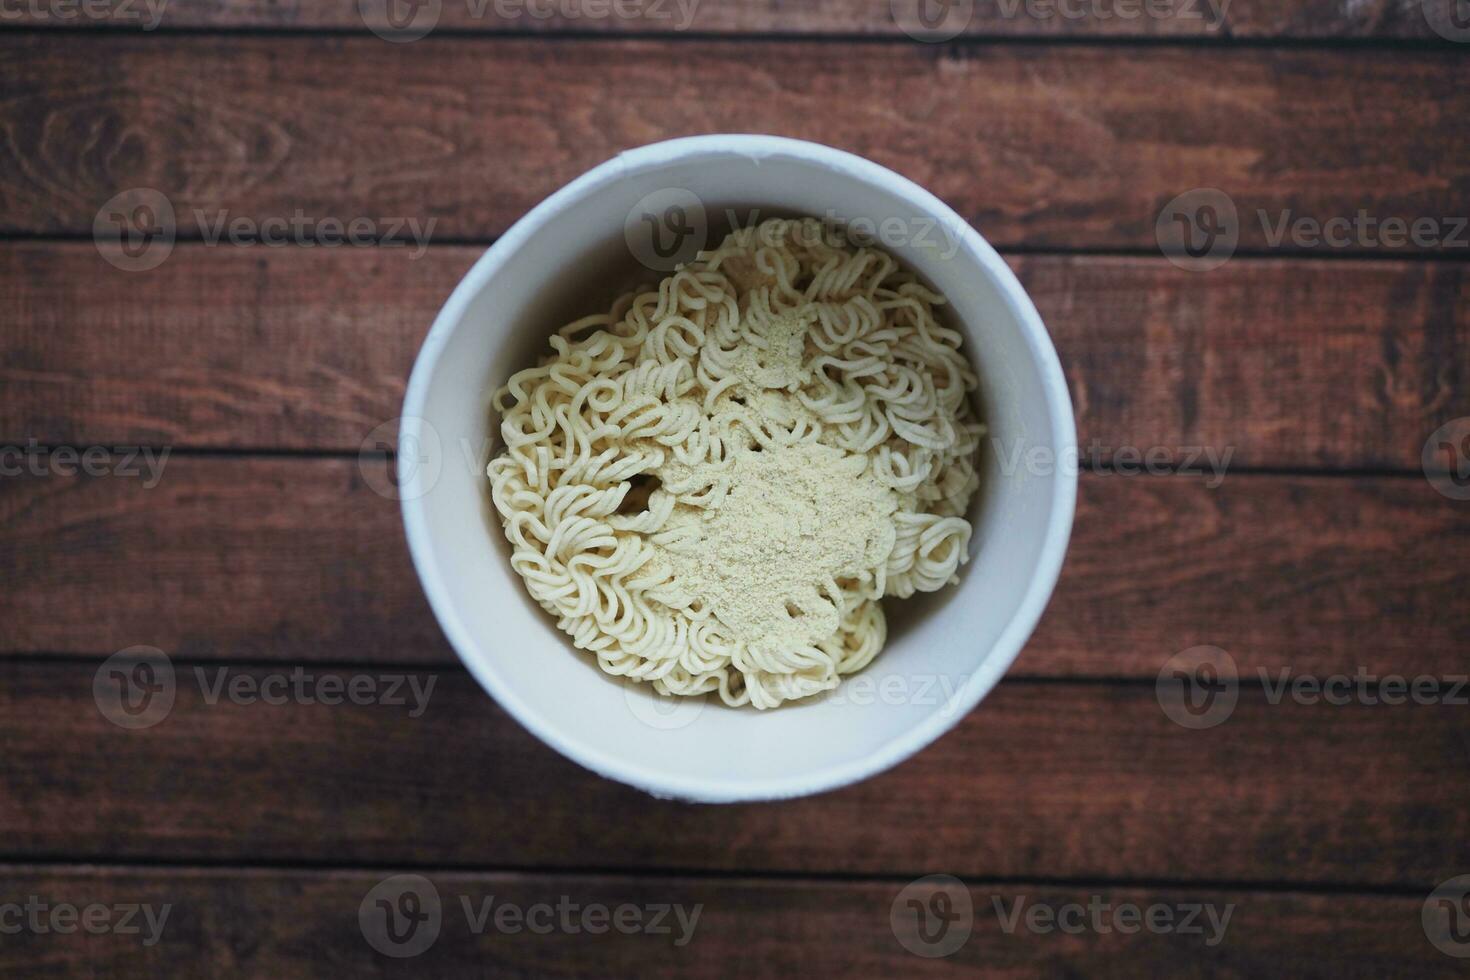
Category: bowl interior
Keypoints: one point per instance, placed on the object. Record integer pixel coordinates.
(945, 650)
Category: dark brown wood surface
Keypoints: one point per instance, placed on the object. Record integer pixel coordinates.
(1219, 20)
(1064, 151)
(291, 923)
(744, 926)
(263, 550)
(1051, 780)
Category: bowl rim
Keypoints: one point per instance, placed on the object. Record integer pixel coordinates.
(1012, 637)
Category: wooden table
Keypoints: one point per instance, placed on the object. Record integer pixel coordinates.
(262, 553)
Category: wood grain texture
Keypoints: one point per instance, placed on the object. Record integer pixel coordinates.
(1211, 19)
(303, 560)
(1045, 780)
(1289, 363)
(272, 348)
(304, 923)
(261, 558)
(1037, 150)
(1328, 576)
(1281, 363)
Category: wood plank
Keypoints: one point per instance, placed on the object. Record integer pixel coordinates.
(1326, 576)
(1283, 363)
(1044, 780)
(254, 558)
(305, 923)
(301, 560)
(300, 349)
(1215, 19)
(1036, 149)
(1289, 363)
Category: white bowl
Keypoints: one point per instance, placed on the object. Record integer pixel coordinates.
(945, 651)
